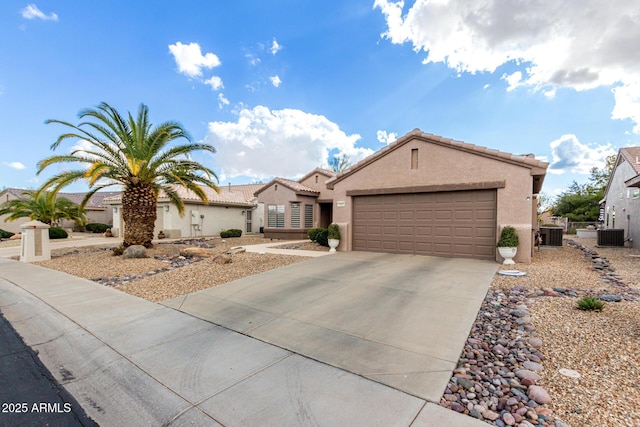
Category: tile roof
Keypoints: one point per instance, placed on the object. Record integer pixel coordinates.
(95, 202)
(232, 195)
(325, 172)
(290, 184)
(527, 160)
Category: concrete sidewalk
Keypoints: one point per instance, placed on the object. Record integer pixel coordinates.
(132, 362)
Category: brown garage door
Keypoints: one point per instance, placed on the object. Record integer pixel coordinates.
(451, 224)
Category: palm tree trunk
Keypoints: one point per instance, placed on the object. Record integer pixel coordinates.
(139, 214)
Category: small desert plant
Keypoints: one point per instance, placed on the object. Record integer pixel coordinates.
(313, 233)
(334, 232)
(590, 304)
(322, 237)
(96, 227)
(232, 232)
(508, 238)
(5, 234)
(57, 233)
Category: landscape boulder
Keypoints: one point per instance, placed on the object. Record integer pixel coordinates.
(195, 252)
(135, 251)
(222, 259)
(236, 250)
(16, 236)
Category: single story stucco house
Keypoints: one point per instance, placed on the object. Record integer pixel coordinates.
(95, 210)
(294, 207)
(422, 194)
(622, 195)
(234, 207)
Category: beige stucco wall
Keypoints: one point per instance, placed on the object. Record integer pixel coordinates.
(316, 182)
(620, 203)
(208, 220)
(215, 219)
(278, 194)
(441, 165)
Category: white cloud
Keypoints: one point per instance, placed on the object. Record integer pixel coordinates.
(513, 80)
(386, 137)
(222, 101)
(32, 12)
(215, 82)
(275, 47)
(579, 44)
(568, 154)
(289, 143)
(15, 165)
(190, 59)
(275, 80)
(253, 60)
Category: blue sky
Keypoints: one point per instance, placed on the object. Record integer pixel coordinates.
(279, 86)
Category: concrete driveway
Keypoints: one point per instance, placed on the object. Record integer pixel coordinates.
(400, 320)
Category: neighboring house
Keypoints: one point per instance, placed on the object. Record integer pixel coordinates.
(294, 207)
(234, 207)
(423, 194)
(95, 211)
(547, 218)
(6, 195)
(622, 195)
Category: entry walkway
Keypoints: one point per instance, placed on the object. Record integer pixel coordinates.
(132, 362)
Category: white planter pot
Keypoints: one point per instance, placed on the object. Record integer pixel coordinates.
(333, 244)
(508, 254)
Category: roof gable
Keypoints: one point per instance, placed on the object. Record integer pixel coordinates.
(325, 172)
(294, 186)
(528, 161)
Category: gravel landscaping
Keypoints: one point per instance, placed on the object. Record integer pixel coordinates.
(165, 274)
(532, 358)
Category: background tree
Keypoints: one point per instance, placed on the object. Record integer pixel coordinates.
(581, 203)
(339, 163)
(43, 206)
(600, 177)
(133, 154)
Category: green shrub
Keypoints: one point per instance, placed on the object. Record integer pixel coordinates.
(334, 232)
(232, 232)
(508, 238)
(590, 304)
(96, 227)
(313, 233)
(5, 234)
(322, 237)
(57, 233)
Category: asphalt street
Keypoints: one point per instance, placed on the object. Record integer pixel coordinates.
(29, 395)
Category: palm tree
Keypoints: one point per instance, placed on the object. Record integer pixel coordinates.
(43, 206)
(133, 154)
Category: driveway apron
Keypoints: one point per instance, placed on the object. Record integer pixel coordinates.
(400, 320)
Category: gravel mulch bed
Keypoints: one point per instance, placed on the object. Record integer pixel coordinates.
(304, 246)
(165, 274)
(531, 323)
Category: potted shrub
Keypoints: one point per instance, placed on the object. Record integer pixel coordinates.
(508, 244)
(333, 236)
(108, 233)
(161, 234)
